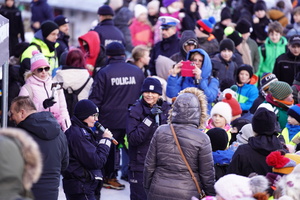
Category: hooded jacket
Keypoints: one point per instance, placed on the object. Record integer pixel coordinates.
(190, 18)
(21, 164)
(251, 157)
(207, 84)
(181, 55)
(41, 90)
(93, 42)
(45, 130)
(165, 174)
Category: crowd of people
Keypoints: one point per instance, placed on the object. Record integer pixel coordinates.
(199, 99)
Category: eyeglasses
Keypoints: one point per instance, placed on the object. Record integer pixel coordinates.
(96, 115)
(40, 70)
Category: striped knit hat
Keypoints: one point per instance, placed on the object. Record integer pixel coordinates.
(280, 90)
(266, 80)
(206, 24)
(294, 112)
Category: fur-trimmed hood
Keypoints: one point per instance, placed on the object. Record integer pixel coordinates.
(190, 108)
(20, 163)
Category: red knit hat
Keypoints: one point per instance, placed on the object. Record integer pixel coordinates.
(234, 104)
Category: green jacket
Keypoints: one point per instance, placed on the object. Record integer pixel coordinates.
(269, 55)
(39, 42)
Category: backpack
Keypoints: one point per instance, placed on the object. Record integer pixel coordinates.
(72, 97)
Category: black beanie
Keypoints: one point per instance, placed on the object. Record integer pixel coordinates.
(85, 108)
(225, 13)
(233, 35)
(152, 85)
(263, 122)
(105, 10)
(47, 27)
(243, 26)
(226, 44)
(115, 49)
(239, 123)
(218, 138)
(260, 5)
(246, 67)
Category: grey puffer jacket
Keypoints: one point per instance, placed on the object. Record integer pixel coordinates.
(165, 174)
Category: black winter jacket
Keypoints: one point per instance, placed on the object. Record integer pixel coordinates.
(45, 130)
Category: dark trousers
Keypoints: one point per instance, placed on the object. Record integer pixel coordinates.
(82, 197)
(137, 191)
(112, 164)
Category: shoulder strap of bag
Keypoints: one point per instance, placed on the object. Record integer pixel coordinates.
(186, 163)
(29, 89)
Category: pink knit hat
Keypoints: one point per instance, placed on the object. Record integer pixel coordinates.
(38, 60)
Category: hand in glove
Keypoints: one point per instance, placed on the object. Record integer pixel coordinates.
(155, 110)
(48, 102)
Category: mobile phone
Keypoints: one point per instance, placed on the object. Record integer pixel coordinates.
(57, 85)
(187, 69)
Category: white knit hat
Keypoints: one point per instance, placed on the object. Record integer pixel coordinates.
(222, 109)
(139, 9)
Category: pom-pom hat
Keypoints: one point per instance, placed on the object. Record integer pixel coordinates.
(282, 163)
(234, 104)
(38, 60)
(206, 24)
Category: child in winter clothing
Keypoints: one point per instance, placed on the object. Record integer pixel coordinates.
(247, 92)
(153, 11)
(296, 26)
(220, 117)
(221, 155)
(191, 15)
(141, 29)
(224, 66)
(260, 22)
(281, 99)
(274, 46)
(242, 137)
(291, 132)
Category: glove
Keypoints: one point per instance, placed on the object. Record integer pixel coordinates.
(155, 110)
(48, 102)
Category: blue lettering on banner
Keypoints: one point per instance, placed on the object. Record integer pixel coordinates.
(123, 81)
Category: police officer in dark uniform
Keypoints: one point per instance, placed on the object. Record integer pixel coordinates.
(106, 29)
(88, 154)
(143, 119)
(169, 44)
(115, 87)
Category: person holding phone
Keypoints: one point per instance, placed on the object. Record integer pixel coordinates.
(199, 76)
(39, 87)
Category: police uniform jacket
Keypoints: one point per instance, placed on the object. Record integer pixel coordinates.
(87, 157)
(140, 129)
(115, 88)
(109, 33)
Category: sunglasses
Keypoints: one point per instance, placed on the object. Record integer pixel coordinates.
(39, 70)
